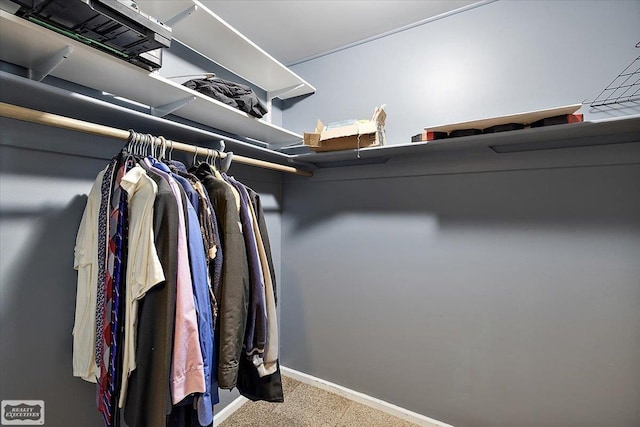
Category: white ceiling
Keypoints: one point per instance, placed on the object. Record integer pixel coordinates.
(292, 30)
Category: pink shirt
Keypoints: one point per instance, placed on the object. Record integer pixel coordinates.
(187, 367)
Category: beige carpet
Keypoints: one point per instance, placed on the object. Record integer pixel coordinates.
(309, 406)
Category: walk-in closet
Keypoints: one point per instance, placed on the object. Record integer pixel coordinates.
(320, 213)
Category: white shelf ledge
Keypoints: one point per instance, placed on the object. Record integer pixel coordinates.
(619, 130)
(29, 45)
(36, 95)
(212, 37)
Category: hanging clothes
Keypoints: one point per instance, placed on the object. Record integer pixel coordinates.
(187, 369)
(209, 231)
(201, 286)
(262, 226)
(86, 263)
(255, 337)
(149, 396)
(144, 269)
(270, 357)
(262, 381)
(176, 294)
(234, 287)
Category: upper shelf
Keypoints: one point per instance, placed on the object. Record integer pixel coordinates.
(29, 45)
(35, 95)
(210, 36)
(607, 131)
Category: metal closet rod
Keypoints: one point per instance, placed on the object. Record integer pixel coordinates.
(40, 117)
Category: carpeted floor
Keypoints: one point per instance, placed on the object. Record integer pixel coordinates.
(307, 406)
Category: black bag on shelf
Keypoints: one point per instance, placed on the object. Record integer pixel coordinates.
(233, 94)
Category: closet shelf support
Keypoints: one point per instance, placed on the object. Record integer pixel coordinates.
(180, 16)
(169, 108)
(48, 119)
(276, 93)
(46, 67)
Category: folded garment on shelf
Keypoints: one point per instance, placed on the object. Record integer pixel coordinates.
(233, 94)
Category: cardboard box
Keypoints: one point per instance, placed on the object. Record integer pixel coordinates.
(349, 134)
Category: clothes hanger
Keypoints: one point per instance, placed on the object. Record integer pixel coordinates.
(143, 145)
(140, 145)
(170, 149)
(127, 152)
(152, 146)
(129, 145)
(135, 145)
(163, 148)
(149, 144)
(195, 154)
(214, 156)
(157, 147)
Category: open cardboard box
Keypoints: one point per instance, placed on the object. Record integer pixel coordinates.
(348, 135)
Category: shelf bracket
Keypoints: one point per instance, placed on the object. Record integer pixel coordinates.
(280, 92)
(180, 16)
(169, 108)
(46, 67)
(276, 93)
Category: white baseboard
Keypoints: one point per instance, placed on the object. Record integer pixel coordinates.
(364, 399)
(228, 410)
(356, 396)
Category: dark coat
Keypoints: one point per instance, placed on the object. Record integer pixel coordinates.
(233, 298)
(250, 384)
(262, 225)
(233, 94)
(149, 395)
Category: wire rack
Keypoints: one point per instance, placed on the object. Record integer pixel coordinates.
(624, 88)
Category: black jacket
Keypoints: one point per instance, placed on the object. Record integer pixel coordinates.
(262, 225)
(250, 384)
(149, 395)
(233, 94)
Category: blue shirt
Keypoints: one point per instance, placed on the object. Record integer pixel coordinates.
(192, 194)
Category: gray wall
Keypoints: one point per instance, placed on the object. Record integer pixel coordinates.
(42, 197)
(502, 58)
(501, 297)
(475, 288)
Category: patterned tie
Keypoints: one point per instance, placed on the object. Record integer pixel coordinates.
(118, 290)
(109, 307)
(102, 254)
(103, 279)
